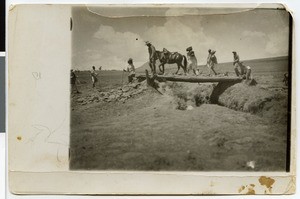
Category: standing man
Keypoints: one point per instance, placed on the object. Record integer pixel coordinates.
(152, 56)
(236, 63)
(131, 70)
(211, 61)
(94, 76)
(73, 81)
(192, 60)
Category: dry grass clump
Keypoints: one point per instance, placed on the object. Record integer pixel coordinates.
(196, 94)
(181, 96)
(255, 100)
(201, 94)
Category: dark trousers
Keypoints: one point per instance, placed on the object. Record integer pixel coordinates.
(130, 78)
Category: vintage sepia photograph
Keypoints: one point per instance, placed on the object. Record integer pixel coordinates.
(180, 90)
(146, 99)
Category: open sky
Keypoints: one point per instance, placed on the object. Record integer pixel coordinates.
(101, 40)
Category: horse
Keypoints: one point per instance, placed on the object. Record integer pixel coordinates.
(173, 58)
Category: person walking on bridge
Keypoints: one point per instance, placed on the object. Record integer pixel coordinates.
(245, 71)
(192, 60)
(211, 61)
(152, 56)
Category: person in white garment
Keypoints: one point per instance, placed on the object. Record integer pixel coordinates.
(131, 70)
(192, 61)
(211, 61)
(94, 76)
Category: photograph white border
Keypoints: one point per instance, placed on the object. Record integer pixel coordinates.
(90, 174)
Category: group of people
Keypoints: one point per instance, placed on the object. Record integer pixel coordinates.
(130, 69)
(74, 77)
(240, 69)
(193, 64)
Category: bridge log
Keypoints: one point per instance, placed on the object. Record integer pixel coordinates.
(191, 79)
(197, 79)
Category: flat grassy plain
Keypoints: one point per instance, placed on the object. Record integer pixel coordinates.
(148, 133)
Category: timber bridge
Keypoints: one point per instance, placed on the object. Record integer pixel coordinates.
(223, 82)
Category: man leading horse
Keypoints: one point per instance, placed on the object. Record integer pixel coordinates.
(165, 57)
(152, 56)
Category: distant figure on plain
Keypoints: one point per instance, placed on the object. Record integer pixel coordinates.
(152, 56)
(211, 61)
(245, 72)
(192, 60)
(94, 76)
(131, 70)
(236, 63)
(286, 79)
(73, 81)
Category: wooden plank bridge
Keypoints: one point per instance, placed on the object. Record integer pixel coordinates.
(222, 82)
(191, 79)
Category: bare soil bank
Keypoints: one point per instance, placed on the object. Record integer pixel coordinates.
(180, 130)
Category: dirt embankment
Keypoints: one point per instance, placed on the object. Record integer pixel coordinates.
(256, 100)
(186, 96)
(239, 97)
(119, 94)
(134, 127)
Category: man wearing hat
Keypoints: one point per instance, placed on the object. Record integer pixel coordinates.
(192, 60)
(236, 63)
(152, 56)
(131, 70)
(211, 61)
(245, 70)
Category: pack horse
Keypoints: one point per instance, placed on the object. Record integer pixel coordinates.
(171, 58)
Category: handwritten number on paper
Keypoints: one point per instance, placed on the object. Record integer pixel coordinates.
(37, 75)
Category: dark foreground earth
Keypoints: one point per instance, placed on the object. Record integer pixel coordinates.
(133, 127)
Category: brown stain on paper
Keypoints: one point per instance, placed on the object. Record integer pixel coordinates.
(241, 189)
(248, 189)
(266, 181)
(19, 138)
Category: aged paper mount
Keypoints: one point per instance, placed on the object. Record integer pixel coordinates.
(40, 56)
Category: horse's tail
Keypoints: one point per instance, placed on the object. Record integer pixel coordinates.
(184, 62)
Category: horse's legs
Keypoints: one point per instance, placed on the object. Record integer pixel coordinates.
(184, 69)
(159, 67)
(178, 68)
